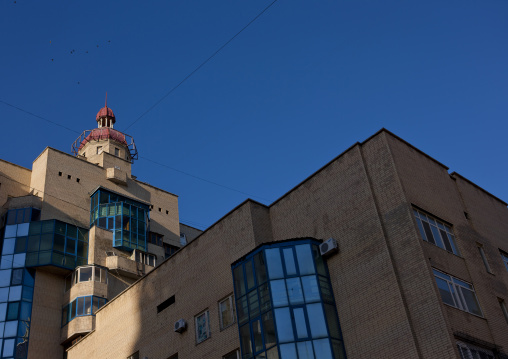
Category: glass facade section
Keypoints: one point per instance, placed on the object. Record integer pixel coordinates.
(126, 218)
(285, 305)
(82, 306)
(16, 284)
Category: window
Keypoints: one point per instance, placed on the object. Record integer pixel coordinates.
(504, 256)
(183, 239)
(436, 232)
(469, 351)
(145, 258)
(117, 152)
(82, 306)
(165, 304)
(86, 274)
(155, 238)
(226, 312)
(202, 327)
(99, 150)
(169, 250)
(457, 293)
(233, 355)
(484, 258)
(134, 356)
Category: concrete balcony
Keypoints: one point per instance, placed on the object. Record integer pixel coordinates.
(116, 175)
(78, 326)
(127, 267)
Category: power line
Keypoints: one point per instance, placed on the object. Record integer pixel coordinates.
(39, 117)
(200, 66)
(203, 179)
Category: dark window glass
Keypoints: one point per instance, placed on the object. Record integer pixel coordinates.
(257, 335)
(289, 261)
(27, 215)
(294, 289)
(65, 315)
(300, 323)
(269, 329)
(11, 217)
(239, 281)
(87, 309)
(85, 274)
(12, 311)
(259, 264)
(264, 297)
(305, 350)
(249, 274)
(318, 259)
(317, 322)
(17, 276)
(80, 306)
(19, 216)
(310, 288)
(284, 325)
(305, 260)
(33, 243)
(245, 341)
(70, 246)
(279, 294)
(428, 232)
(242, 309)
(59, 243)
(333, 323)
(46, 242)
(20, 246)
(253, 303)
(274, 263)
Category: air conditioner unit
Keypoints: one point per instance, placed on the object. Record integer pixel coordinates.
(328, 247)
(180, 326)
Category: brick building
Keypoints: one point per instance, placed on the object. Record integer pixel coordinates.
(421, 269)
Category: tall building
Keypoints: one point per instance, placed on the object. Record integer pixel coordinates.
(381, 253)
(77, 230)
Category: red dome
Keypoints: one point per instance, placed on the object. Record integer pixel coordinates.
(105, 111)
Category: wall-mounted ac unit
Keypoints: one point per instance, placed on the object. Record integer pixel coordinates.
(328, 247)
(180, 326)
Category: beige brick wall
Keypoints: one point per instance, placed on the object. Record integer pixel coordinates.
(14, 182)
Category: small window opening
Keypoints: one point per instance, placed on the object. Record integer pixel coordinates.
(165, 304)
(117, 152)
(60, 174)
(77, 180)
(484, 258)
(167, 212)
(466, 215)
(99, 150)
(69, 177)
(160, 209)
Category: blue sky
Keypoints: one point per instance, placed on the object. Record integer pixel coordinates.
(300, 85)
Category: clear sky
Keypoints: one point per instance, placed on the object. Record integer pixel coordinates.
(299, 86)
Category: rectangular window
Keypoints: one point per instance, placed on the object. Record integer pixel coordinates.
(165, 304)
(233, 355)
(117, 152)
(469, 351)
(484, 258)
(436, 232)
(146, 258)
(202, 327)
(457, 293)
(169, 250)
(226, 312)
(504, 256)
(155, 238)
(99, 150)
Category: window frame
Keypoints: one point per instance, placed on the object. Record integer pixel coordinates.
(231, 299)
(435, 226)
(504, 257)
(206, 313)
(228, 355)
(457, 294)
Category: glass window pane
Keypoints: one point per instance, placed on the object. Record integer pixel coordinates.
(10, 231)
(310, 289)
(284, 325)
(279, 294)
(272, 353)
(300, 323)
(15, 293)
(471, 302)
(243, 310)
(239, 281)
(318, 259)
(18, 260)
(3, 311)
(5, 277)
(97, 274)
(2, 325)
(20, 245)
(245, 341)
(70, 246)
(23, 229)
(305, 350)
(333, 322)
(87, 310)
(259, 264)
(322, 349)
(17, 277)
(202, 331)
(8, 247)
(226, 313)
(249, 274)
(33, 243)
(28, 294)
(6, 262)
(46, 242)
(59, 243)
(253, 303)
(264, 297)
(444, 290)
(95, 304)
(8, 348)
(269, 330)
(305, 260)
(338, 349)
(80, 305)
(428, 232)
(25, 311)
(28, 278)
(294, 290)
(316, 320)
(437, 237)
(256, 334)
(19, 216)
(85, 274)
(289, 261)
(288, 351)
(4, 294)
(273, 261)
(12, 311)
(326, 290)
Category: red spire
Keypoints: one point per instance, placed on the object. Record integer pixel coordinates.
(106, 112)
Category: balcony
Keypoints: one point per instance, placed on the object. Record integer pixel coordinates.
(127, 267)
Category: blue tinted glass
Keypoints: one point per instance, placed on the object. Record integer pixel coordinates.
(305, 350)
(6, 262)
(18, 260)
(284, 325)
(29, 277)
(4, 294)
(17, 276)
(316, 320)
(305, 261)
(288, 351)
(5, 277)
(310, 289)
(256, 334)
(294, 290)
(8, 347)
(11, 328)
(274, 264)
(279, 294)
(333, 323)
(15, 293)
(10, 231)
(12, 311)
(2, 325)
(289, 261)
(23, 229)
(26, 309)
(8, 247)
(300, 323)
(3, 311)
(322, 349)
(28, 293)
(249, 274)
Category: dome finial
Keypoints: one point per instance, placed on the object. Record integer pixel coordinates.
(106, 99)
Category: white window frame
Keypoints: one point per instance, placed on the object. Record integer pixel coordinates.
(143, 257)
(436, 227)
(236, 351)
(205, 313)
(455, 288)
(232, 306)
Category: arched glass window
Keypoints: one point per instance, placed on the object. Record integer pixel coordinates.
(285, 305)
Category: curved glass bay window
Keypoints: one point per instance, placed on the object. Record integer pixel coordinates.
(126, 218)
(82, 306)
(86, 274)
(285, 305)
